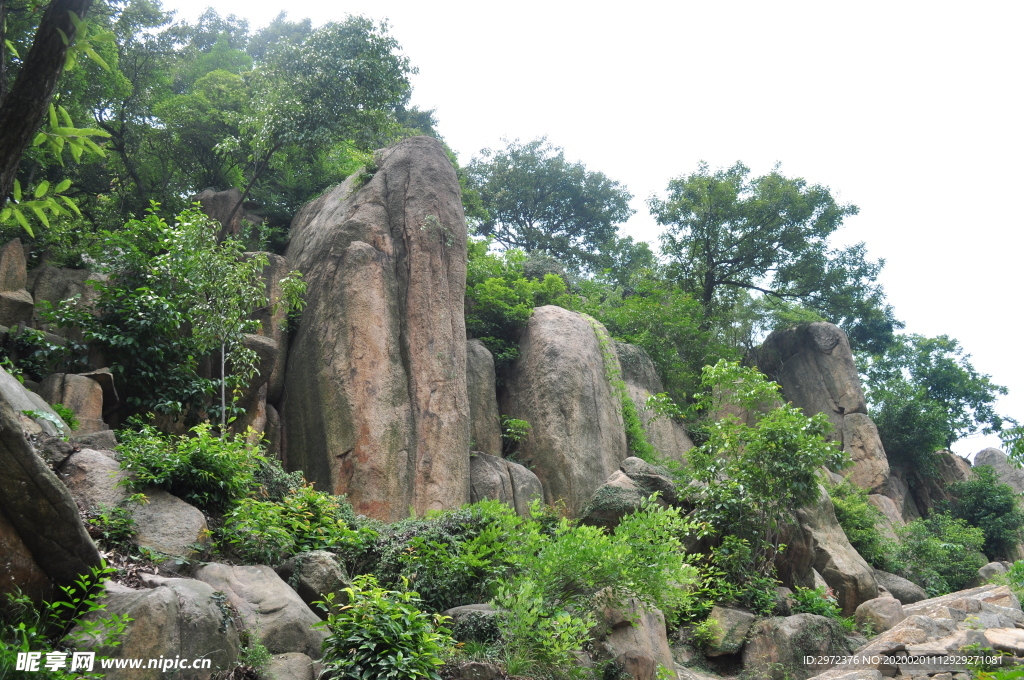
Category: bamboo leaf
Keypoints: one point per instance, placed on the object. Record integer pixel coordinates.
(40, 138)
(17, 190)
(71, 204)
(97, 58)
(23, 222)
(42, 188)
(53, 116)
(65, 116)
(62, 187)
(41, 215)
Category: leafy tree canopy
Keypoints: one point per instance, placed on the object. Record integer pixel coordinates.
(728, 233)
(536, 200)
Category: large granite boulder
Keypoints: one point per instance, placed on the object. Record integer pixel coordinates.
(19, 570)
(170, 618)
(81, 394)
(375, 401)
(314, 574)
(560, 386)
(273, 318)
(777, 647)
(933, 490)
(502, 480)
(484, 420)
(625, 490)
(267, 607)
(21, 400)
(634, 636)
(642, 381)
(38, 507)
(838, 562)
(814, 365)
(13, 268)
(907, 592)
(998, 461)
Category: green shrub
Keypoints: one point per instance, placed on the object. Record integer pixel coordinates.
(382, 634)
(1015, 579)
(821, 601)
(203, 469)
(67, 415)
(940, 553)
(268, 532)
(115, 527)
(992, 507)
(858, 518)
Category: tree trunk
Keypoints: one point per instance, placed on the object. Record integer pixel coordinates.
(223, 396)
(26, 105)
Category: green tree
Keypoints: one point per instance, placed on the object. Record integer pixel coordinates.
(924, 394)
(991, 506)
(538, 201)
(729, 234)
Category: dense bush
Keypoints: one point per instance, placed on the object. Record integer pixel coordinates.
(859, 518)
(992, 507)
(940, 553)
(382, 634)
(203, 469)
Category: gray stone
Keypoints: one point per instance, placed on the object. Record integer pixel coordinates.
(1006, 473)
(613, 500)
(560, 386)
(171, 618)
(102, 440)
(168, 525)
(477, 670)
(19, 571)
(986, 573)
(777, 646)
(16, 306)
(502, 480)
(268, 607)
(907, 592)
(315, 574)
(375, 401)
(642, 381)
(881, 613)
(466, 610)
(21, 400)
(629, 631)
(289, 666)
(484, 421)
(38, 507)
(13, 271)
(81, 394)
(94, 479)
(870, 469)
(733, 626)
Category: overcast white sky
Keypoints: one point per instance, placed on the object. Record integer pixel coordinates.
(910, 110)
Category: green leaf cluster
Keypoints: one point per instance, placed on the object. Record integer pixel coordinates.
(984, 502)
(859, 520)
(941, 553)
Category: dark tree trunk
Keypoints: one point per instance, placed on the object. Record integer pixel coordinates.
(26, 104)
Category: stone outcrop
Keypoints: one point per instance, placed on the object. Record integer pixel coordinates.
(81, 394)
(777, 646)
(19, 570)
(624, 491)
(642, 381)
(822, 543)
(929, 490)
(56, 284)
(814, 365)
(1005, 472)
(273, 318)
(881, 614)
(290, 666)
(219, 205)
(16, 304)
(907, 592)
(38, 507)
(731, 633)
(268, 607)
(172, 617)
(560, 386)
(20, 400)
(633, 635)
(485, 422)
(315, 574)
(375, 401)
(502, 480)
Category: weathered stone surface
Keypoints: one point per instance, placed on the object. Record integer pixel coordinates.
(560, 386)
(315, 574)
(273, 318)
(1006, 640)
(18, 569)
(290, 666)
(814, 364)
(13, 271)
(502, 480)
(485, 422)
(94, 479)
(171, 618)
(733, 625)
(907, 592)
(630, 630)
(53, 450)
(220, 205)
(835, 559)
(39, 507)
(21, 400)
(83, 395)
(267, 606)
(881, 613)
(16, 306)
(102, 440)
(375, 401)
(168, 525)
(469, 610)
(272, 433)
(777, 646)
(998, 461)
(613, 500)
(642, 381)
(870, 469)
(929, 491)
(56, 284)
(650, 478)
(892, 517)
(986, 573)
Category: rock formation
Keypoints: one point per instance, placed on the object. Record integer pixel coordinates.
(375, 401)
(495, 478)
(642, 381)
(485, 422)
(560, 386)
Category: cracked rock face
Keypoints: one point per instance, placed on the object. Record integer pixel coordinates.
(375, 403)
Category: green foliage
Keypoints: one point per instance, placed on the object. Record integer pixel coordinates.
(821, 601)
(500, 299)
(382, 634)
(203, 469)
(34, 355)
(537, 201)
(270, 531)
(67, 415)
(993, 507)
(252, 652)
(26, 626)
(1014, 577)
(940, 553)
(752, 477)
(924, 394)
(706, 632)
(513, 432)
(728, 574)
(728, 234)
(859, 518)
(115, 527)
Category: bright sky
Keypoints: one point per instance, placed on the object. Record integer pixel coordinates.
(905, 109)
